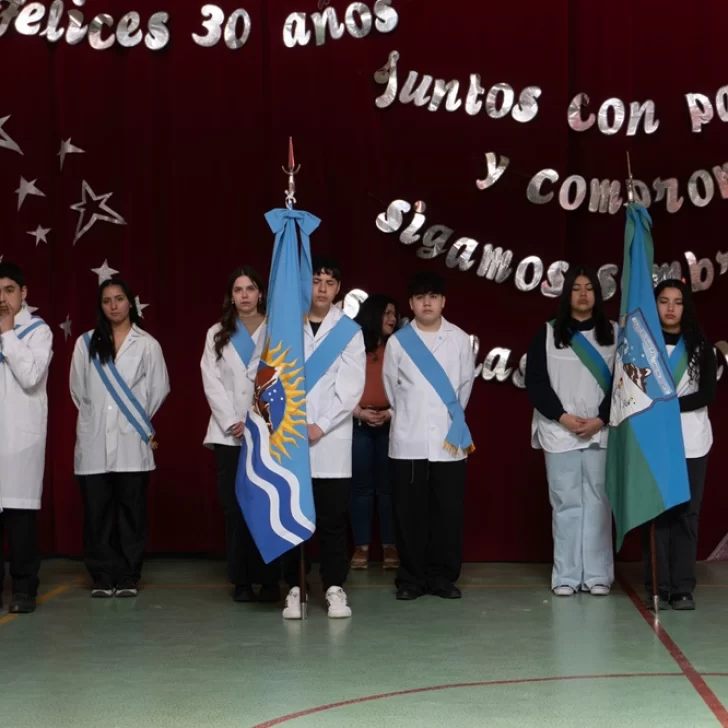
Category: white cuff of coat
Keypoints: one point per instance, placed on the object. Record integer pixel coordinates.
(325, 424)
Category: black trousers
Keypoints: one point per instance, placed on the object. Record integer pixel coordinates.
(331, 499)
(114, 526)
(24, 557)
(677, 538)
(428, 522)
(245, 565)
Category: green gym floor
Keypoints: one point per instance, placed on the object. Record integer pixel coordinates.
(184, 655)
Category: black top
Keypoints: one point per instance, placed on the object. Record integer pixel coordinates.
(315, 326)
(538, 384)
(708, 378)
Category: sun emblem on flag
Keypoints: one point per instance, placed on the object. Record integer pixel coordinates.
(280, 399)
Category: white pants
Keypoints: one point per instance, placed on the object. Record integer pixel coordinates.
(582, 519)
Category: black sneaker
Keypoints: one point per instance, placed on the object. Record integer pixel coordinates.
(102, 591)
(126, 589)
(243, 593)
(682, 602)
(22, 604)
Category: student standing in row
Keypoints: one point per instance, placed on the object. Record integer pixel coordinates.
(118, 382)
(693, 366)
(569, 383)
(370, 454)
(428, 377)
(335, 372)
(26, 348)
(228, 375)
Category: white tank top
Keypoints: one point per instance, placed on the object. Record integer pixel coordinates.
(579, 392)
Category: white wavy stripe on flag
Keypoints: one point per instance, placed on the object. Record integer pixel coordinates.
(275, 519)
(287, 475)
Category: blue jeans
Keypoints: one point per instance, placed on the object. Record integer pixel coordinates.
(370, 476)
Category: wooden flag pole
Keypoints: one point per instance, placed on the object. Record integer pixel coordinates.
(302, 579)
(653, 556)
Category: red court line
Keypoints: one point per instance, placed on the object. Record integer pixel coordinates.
(702, 688)
(435, 688)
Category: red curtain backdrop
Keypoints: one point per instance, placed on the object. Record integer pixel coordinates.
(191, 140)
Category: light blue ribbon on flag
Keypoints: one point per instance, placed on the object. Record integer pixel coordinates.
(678, 361)
(142, 424)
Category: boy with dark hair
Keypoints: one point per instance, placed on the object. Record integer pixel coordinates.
(335, 373)
(25, 353)
(428, 376)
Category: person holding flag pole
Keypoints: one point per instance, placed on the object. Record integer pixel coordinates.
(646, 467)
(306, 389)
(693, 367)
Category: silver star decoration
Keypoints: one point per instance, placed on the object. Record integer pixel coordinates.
(5, 140)
(39, 234)
(104, 272)
(106, 214)
(68, 148)
(66, 326)
(27, 188)
(140, 306)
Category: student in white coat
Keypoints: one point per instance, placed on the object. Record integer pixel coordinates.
(335, 374)
(568, 379)
(229, 364)
(25, 354)
(118, 382)
(428, 376)
(694, 368)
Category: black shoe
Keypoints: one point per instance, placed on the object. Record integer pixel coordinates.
(682, 602)
(664, 601)
(407, 594)
(447, 592)
(269, 593)
(243, 593)
(126, 590)
(102, 591)
(22, 604)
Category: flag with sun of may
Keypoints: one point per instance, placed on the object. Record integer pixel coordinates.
(273, 482)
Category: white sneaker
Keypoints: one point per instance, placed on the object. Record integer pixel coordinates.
(292, 608)
(338, 603)
(564, 591)
(600, 590)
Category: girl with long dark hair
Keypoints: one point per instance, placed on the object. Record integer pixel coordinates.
(118, 382)
(693, 366)
(228, 376)
(378, 318)
(568, 379)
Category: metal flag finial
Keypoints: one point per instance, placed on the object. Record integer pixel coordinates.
(630, 182)
(292, 170)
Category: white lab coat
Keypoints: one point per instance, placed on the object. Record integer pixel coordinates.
(229, 386)
(331, 403)
(106, 442)
(23, 414)
(420, 422)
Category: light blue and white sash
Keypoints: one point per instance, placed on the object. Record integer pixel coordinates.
(678, 361)
(590, 357)
(458, 436)
(32, 326)
(123, 396)
(325, 355)
(243, 343)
